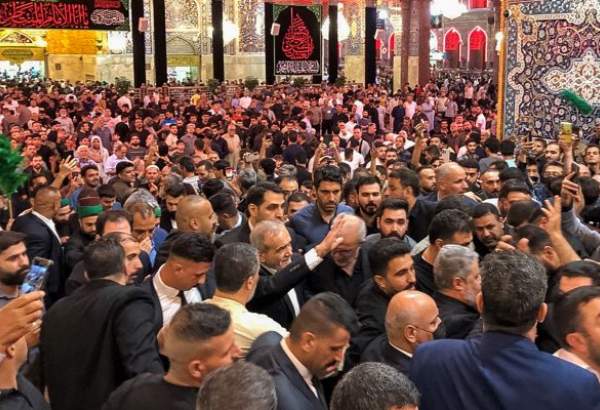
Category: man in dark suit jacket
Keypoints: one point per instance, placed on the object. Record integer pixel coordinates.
(100, 336)
(503, 369)
(42, 238)
(183, 278)
(411, 319)
(265, 202)
(280, 292)
(456, 275)
(313, 350)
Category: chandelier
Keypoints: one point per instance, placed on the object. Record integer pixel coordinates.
(450, 9)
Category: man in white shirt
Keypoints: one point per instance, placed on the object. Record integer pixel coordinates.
(410, 106)
(280, 295)
(576, 319)
(314, 350)
(236, 267)
(176, 282)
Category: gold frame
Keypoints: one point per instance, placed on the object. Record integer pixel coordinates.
(501, 72)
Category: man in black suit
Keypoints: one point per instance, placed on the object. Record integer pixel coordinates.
(178, 280)
(265, 202)
(42, 238)
(280, 292)
(456, 274)
(198, 341)
(314, 349)
(100, 336)
(393, 272)
(412, 318)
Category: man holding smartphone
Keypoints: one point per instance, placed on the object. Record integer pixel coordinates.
(14, 265)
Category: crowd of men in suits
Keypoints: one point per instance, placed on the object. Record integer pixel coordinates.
(440, 275)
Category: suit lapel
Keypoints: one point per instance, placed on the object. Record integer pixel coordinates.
(292, 374)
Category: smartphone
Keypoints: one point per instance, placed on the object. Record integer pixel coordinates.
(37, 275)
(229, 173)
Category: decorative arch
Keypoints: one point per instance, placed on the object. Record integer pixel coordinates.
(452, 47)
(477, 46)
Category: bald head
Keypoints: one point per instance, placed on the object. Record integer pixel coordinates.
(46, 201)
(195, 214)
(451, 179)
(411, 319)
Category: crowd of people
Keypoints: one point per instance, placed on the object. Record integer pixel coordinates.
(323, 247)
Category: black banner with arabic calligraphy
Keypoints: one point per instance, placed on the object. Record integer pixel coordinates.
(298, 45)
(77, 14)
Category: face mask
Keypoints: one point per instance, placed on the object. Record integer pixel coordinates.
(440, 332)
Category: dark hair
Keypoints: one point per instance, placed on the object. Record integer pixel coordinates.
(175, 190)
(445, 224)
(106, 191)
(86, 168)
(392, 203)
(221, 164)
(407, 178)
(513, 185)
(590, 188)
(585, 269)
(212, 187)
(112, 215)
(256, 194)
(193, 246)
(514, 287)
(327, 173)
(10, 238)
(298, 197)
(323, 312)
(268, 165)
(254, 388)
(492, 144)
(507, 147)
(511, 174)
(484, 209)
(567, 314)
(234, 263)
(374, 386)
(454, 202)
(469, 163)
(104, 257)
(383, 251)
(223, 203)
(538, 238)
(206, 164)
(187, 164)
(367, 180)
(522, 212)
(121, 166)
(500, 165)
(199, 322)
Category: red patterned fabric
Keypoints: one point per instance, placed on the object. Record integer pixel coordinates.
(477, 4)
(477, 40)
(452, 41)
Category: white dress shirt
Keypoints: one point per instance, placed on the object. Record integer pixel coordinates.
(573, 358)
(312, 260)
(169, 297)
(304, 372)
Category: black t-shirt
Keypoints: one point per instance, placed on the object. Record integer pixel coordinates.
(424, 273)
(151, 392)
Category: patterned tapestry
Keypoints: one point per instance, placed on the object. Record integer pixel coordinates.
(552, 45)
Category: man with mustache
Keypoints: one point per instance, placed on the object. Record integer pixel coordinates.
(368, 191)
(393, 272)
(488, 228)
(392, 222)
(14, 265)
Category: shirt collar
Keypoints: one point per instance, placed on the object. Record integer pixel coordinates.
(573, 358)
(304, 372)
(161, 287)
(401, 350)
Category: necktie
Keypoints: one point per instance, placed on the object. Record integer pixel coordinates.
(181, 296)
